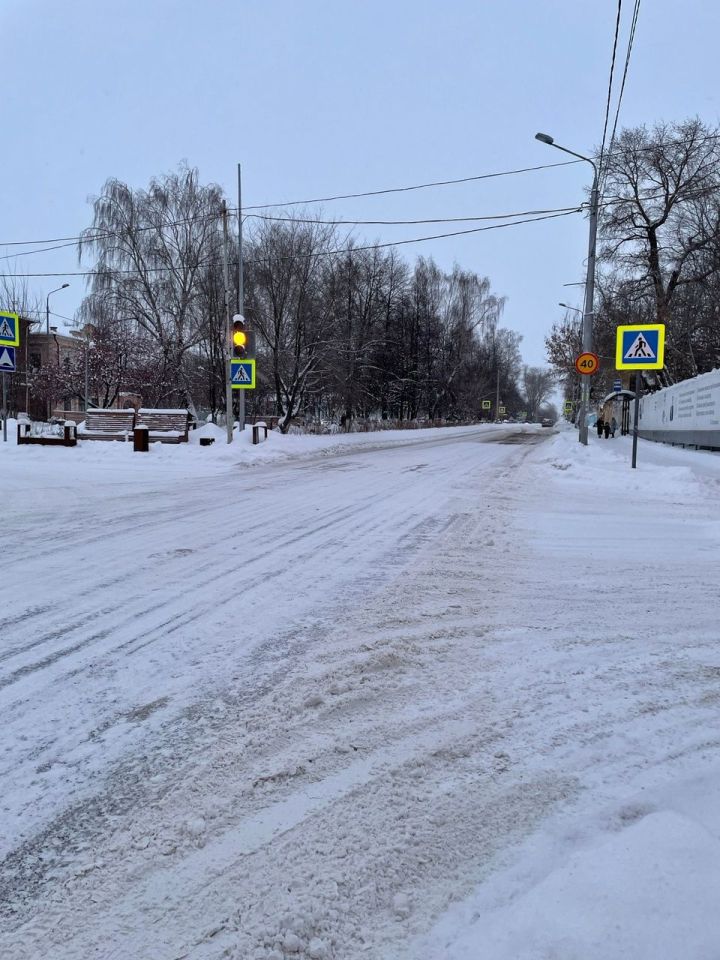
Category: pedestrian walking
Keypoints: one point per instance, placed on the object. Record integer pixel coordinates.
(613, 427)
(599, 426)
(606, 428)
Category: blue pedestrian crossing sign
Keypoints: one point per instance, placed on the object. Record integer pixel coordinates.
(9, 329)
(242, 374)
(640, 347)
(7, 360)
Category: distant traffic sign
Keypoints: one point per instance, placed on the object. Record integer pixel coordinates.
(501, 410)
(242, 374)
(587, 363)
(9, 329)
(486, 404)
(7, 360)
(617, 386)
(640, 347)
(568, 406)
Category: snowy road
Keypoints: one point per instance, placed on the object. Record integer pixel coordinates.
(300, 710)
(165, 669)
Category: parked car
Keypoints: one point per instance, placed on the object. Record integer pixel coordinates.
(547, 422)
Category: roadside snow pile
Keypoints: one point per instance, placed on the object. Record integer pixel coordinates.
(210, 431)
(647, 890)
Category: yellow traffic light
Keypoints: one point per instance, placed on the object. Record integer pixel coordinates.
(240, 338)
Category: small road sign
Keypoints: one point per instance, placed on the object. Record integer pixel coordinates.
(9, 329)
(501, 411)
(587, 363)
(486, 404)
(242, 374)
(568, 407)
(7, 360)
(640, 347)
(617, 386)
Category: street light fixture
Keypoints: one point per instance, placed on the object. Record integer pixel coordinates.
(588, 312)
(47, 306)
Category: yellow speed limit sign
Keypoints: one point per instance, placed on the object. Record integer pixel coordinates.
(587, 363)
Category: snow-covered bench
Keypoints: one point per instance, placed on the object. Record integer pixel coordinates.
(167, 426)
(107, 425)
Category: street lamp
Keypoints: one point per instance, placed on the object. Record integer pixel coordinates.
(86, 332)
(588, 312)
(47, 307)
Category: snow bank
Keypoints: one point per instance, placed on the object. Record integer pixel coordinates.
(647, 891)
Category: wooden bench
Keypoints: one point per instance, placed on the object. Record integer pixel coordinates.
(107, 425)
(166, 426)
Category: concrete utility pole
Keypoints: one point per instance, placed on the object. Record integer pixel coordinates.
(228, 331)
(589, 311)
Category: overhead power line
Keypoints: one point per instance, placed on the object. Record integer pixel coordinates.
(71, 240)
(340, 223)
(631, 40)
(323, 253)
(400, 243)
(416, 186)
(610, 83)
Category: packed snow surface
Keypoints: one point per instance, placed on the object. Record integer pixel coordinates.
(435, 695)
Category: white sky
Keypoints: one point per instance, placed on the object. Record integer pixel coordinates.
(319, 97)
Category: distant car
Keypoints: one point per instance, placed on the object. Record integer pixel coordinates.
(547, 422)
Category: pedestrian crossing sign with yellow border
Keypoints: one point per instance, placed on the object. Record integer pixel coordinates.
(640, 347)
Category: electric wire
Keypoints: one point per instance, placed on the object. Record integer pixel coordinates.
(610, 84)
(72, 240)
(324, 253)
(631, 40)
(100, 236)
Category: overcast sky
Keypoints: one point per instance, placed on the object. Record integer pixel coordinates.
(318, 97)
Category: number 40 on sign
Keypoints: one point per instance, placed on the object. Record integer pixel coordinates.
(587, 363)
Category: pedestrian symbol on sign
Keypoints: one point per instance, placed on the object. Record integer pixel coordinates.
(639, 348)
(242, 374)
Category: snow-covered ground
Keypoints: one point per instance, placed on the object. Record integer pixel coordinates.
(411, 696)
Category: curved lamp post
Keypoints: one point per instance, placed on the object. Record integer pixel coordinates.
(47, 306)
(588, 312)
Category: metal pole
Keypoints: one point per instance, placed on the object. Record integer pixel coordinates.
(87, 377)
(4, 401)
(589, 312)
(638, 389)
(228, 332)
(241, 291)
(497, 390)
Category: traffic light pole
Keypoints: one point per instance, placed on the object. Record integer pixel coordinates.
(228, 332)
(241, 292)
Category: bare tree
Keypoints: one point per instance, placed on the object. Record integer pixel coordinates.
(538, 384)
(284, 305)
(152, 247)
(657, 219)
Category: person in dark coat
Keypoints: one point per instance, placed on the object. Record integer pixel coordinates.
(606, 428)
(600, 426)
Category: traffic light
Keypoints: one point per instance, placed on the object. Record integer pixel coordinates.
(239, 339)
(243, 341)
